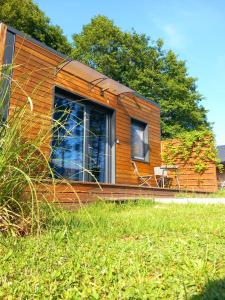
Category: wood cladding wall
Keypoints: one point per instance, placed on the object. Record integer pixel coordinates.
(192, 181)
(35, 76)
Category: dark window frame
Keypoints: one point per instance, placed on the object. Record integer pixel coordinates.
(7, 74)
(146, 143)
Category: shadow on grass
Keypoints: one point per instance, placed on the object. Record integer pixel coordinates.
(214, 290)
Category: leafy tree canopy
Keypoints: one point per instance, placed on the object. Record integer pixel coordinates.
(131, 58)
(26, 16)
(142, 64)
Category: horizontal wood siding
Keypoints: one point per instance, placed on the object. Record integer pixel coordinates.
(34, 76)
(192, 181)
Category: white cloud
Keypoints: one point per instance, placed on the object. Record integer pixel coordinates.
(174, 38)
(173, 34)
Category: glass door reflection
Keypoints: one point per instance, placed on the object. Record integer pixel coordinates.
(97, 143)
(80, 146)
(68, 139)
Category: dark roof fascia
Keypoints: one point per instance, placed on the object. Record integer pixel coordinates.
(146, 99)
(42, 45)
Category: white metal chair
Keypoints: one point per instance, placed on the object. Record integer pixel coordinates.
(161, 177)
(143, 179)
(222, 185)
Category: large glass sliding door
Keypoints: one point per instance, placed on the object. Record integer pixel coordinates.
(98, 144)
(81, 146)
(68, 139)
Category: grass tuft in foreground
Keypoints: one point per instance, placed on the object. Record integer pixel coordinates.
(112, 251)
(23, 163)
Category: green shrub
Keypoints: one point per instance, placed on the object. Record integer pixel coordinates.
(196, 145)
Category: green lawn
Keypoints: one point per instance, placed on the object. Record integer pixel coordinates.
(111, 251)
(219, 194)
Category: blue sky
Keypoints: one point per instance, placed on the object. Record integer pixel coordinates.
(195, 30)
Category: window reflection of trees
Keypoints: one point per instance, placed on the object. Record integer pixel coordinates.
(138, 140)
(68, 145)
(97, 144)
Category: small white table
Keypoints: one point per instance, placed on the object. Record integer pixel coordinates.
(173, 168)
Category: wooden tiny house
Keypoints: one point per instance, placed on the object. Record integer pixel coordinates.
(106, 125)
(110, 124)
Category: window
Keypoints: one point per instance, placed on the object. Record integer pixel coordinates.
(68, 139)
(139, 140)
(82, 140)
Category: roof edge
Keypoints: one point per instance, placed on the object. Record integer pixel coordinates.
(146, 99)
(35, 41)
(43, 45)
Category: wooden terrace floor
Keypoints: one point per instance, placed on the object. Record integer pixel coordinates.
(75, 193)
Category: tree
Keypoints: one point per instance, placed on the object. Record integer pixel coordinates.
(140, 63)
(27, 17)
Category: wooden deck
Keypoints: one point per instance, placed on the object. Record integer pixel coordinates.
(77, 193)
